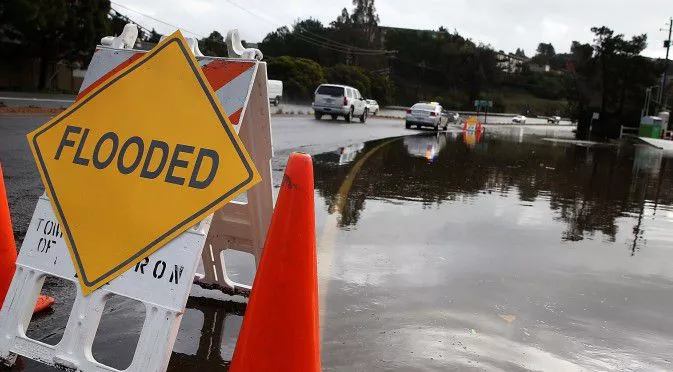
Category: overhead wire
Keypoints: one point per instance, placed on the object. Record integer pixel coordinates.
(118, 13)
(334, 46)
(314, 39)
(156, 19)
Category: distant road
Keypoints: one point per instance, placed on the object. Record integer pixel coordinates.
(399, 113)
(17, 99)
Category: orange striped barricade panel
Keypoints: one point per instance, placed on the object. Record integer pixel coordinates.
(241, 225)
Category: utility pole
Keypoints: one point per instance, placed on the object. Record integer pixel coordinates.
(667, 45)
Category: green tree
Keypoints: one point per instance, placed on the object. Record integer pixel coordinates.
(546, 50)
(213, 45)
(55, 30)
(343, 20)
(545, 54)
(300, 76)
(350, 75)
(610, 76)
(520, 53)
(365, 18)
(381, 88)
(155, 37)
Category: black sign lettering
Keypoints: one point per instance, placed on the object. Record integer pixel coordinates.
(48, 226)
(176, 274)
(186, 166)
(159, 270)
(214, 162)
(102, 164)
(176, 162)
(135, 140)
(65, 141)
(163, 269)
(43, 245)
(78, 159)
(155, 145)
(141, 265)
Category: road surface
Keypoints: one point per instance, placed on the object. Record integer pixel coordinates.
(449, 251)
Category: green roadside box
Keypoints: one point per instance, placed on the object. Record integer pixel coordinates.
(650, 127)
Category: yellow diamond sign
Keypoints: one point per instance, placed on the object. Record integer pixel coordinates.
(138, 160)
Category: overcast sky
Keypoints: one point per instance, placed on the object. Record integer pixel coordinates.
(504, 24)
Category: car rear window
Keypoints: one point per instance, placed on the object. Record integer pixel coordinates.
(331, 91)
(423, 106)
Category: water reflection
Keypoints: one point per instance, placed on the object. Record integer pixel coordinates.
(207, 335)
(427, 147)
(348, 153)
(588, 188)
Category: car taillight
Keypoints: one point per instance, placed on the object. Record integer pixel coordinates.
(345, 101)
(433, 114)
(408, 111)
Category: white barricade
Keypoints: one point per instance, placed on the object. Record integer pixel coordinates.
(243, 225)
(240, 85)
(44, 252)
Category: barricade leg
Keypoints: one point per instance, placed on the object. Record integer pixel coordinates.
(16, 310)
(157, 338)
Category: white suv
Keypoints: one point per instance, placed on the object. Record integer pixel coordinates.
(339, 100)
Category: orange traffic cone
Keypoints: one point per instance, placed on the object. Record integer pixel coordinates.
(7, 245)
(280, 330)
(8, 252)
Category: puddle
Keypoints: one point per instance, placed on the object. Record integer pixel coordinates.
(437, 236)
(452, 251)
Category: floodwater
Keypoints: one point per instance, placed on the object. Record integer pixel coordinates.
(453, 251)
(507, 252)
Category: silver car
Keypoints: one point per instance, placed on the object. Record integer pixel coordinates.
(427, 114)
(339, 100)
(372, 107)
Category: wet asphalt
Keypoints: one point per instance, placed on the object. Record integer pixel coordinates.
(506, 251)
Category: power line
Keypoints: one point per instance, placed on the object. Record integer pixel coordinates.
(314, 38)
(163, 22)
(156, 19)
(340, 47)
(125, 17)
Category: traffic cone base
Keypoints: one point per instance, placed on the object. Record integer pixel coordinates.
(43, 303)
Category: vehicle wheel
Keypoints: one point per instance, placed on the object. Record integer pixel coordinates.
(363, 117)
(317, 115)
(334, 117)
(376, 112)
(275, 102)
(436, 127)
(407, 125)
(349, 116)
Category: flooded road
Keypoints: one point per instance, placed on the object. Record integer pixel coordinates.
(509, 253)
(506, 251)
